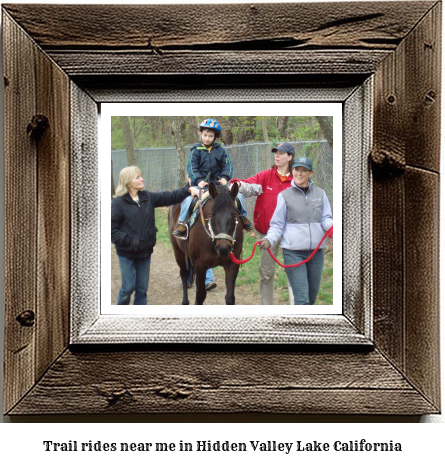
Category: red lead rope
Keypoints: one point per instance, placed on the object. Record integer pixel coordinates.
(329, 233)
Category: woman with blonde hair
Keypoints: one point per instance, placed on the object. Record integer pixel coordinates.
(133, 230)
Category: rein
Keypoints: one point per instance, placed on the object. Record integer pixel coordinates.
(202, 214)
(329, 233)
(210, 232)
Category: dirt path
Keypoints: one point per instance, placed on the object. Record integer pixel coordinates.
(165, 286)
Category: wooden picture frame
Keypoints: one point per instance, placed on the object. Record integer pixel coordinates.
(95, 322)
(77, 56)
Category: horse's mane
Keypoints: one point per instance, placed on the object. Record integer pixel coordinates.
(223, 200)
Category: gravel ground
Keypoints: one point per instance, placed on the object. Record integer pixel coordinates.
(165, 287)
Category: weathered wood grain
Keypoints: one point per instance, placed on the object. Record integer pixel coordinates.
(388, 266)
(422, 254)
(398, 42)
(423, 92)
(85, 211)
(406, 205)
(37, 216)
(53, 210)
(223, 382)
(219, 88)
(389, 157)
(407, 114)
(160, 39)
(112, 329)
(421, 214)
(357, 211)
(127, 62)
(20, 213)
(274, 25)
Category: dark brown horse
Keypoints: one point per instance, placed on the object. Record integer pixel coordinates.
(210, 246)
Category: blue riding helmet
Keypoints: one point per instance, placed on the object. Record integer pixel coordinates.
(211, 124)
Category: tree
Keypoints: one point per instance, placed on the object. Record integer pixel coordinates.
(282, 125)
(326, 123)
(178, 129)
(264, 127)
(227, 125)
(128, 136)
(237, 129)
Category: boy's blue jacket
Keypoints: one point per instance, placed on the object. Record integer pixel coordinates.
(201, 162)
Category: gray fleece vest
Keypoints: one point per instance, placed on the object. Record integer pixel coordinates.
(304, 208)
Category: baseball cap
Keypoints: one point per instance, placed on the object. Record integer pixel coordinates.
(305, 162)
(285, 147)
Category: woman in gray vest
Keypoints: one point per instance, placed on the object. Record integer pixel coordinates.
(302, 217)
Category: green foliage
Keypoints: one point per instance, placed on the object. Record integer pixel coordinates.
(327, 280)
(117, 134)
(161, 221)
(306, 128)
(156, 131)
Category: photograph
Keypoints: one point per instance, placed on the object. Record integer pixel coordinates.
(171, 181)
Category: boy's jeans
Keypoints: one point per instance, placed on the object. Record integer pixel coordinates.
(134, 275)
(185, 205)
(209, 277)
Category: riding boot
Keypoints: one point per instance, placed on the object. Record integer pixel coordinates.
(247, 225)
(181, 231)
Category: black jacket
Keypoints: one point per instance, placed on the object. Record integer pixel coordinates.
(201, 162)
(133, 230)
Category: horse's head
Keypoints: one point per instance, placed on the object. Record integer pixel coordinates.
(223, 217)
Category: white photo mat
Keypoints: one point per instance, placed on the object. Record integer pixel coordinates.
(236, 109)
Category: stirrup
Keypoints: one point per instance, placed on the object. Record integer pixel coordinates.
(183, 235)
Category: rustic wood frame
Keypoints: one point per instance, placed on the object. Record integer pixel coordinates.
(91, 325)
(69, 59)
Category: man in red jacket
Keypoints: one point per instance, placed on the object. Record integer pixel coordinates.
(267, 185)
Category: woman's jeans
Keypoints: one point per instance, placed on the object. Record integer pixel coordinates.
(134, 275)
(185, 205)
(304, 279)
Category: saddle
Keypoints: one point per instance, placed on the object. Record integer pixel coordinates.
(194, 204)
(194, 212)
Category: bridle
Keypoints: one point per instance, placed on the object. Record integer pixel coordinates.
(210, 232)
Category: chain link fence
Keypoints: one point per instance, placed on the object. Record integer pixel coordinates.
(159, 165)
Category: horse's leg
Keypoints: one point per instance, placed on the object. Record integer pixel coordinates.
(184, 273)
(179, 253)
(231, 271)
(200, 281)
